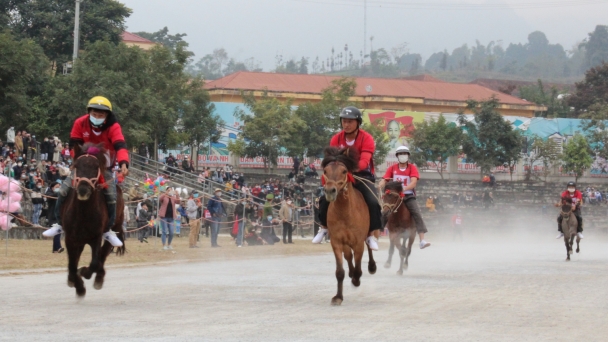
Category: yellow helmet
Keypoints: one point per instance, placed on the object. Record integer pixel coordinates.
(100, 102)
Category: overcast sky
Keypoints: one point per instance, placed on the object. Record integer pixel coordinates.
(295, 28)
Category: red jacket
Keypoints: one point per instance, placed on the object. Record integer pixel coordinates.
(110, 135)
(577, 198)
(365, 145)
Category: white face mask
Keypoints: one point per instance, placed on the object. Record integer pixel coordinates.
(218, 194)
(571, 190)
(403, 158)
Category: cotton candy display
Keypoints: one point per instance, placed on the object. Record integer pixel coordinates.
(11, 201)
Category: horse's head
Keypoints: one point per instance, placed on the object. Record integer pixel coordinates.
(393, 196)
(89, 161)
(337, 165)
(566, 206)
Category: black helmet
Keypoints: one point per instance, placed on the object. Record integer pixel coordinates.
(351, 113)
(571, 184)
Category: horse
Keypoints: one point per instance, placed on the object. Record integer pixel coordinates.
(400, 225)
(85, 216)
(347, 217)
(569, 226)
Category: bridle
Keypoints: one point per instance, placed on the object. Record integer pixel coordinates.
(93, 182)
(395, 206)
(344, 188)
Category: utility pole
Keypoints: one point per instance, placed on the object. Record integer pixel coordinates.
(76, 30)
(364, 29)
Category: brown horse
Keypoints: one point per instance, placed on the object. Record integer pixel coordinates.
(569, 226)
(347, 216)
(400, 225)
(85, 216)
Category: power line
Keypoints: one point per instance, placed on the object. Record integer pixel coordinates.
(448, 6)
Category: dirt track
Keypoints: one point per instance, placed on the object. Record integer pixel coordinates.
(503, 288)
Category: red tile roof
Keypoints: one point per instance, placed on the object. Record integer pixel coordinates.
(129, 37)
(314, 84)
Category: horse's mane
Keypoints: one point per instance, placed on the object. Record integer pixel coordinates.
(394, 186)
(347, 156)
(96, 150)
(567, 200)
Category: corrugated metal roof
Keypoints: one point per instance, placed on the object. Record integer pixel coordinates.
(129, 37)
(314, 84)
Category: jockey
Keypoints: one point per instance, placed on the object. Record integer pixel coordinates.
(351, 135)
(99, 125)
(407, 173)
(577, 202)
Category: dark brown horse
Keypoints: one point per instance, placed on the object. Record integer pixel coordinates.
(400, 225)
(347, 216)
(85, 216)
(569, 226)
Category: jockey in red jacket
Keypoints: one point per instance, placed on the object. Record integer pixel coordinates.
(577, 203)
(99, 125)
(351, 135)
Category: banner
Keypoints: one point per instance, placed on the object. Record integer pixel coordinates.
(283, 162)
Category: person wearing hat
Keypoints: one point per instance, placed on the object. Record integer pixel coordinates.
(217, 210)
(98, 126)
(577, 202)
(457, 224)
(407, 173)
(352, 136)
(194, 222)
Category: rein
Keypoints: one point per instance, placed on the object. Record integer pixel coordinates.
(346, 181)
(95, 182)
(393, 207)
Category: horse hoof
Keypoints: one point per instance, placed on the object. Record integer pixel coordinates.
(400, 272)
(70, 283)
(577, 250)
(568, 259)
(350, 274)
(356, 282)
(81, 292)
(98, 285)
(371, 268)
(569, 252)
(336, 301)
(387, 265)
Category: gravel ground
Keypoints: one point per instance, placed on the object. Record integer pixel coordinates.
(501, 288)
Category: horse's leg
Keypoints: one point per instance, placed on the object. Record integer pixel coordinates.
(105, 250)
(578, 248)
(371, 265)
(391, 250)
(87, 272)
(402, 253)
(358, 256)
(348, 255)
(74, 279)
(410, 242)
(337, 299)
(567, 248)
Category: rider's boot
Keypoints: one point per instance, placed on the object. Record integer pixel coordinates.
(580, 227)
(320, 235)
(424, 244)
(560, 235)
(110, 235)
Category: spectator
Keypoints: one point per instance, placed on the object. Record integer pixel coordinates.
(207, 220)
(291, 176)
(186, 164)
(241, 179)
(468, 199)
(457, 225)
(286, 215)
(239, 224)
(430, 204)
(52, 192)
(195, 225)
(19, 144)
(10, 137)
(201, 178)
(57, 149)
(217, 211)
(437, 202)
(143, 153)
(37, 202)
(301, 178)
(32, 147)
(486, 180)
(296, 165)
(252, 237)
(268, 234)
(492, 179)
(143, 220)
(65, 154)
(44, 148)
(167, 214)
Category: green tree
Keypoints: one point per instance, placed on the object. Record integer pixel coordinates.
(490, 140)
(321, 118)
(271, 129)
(593, 89)
(51, 23)
(162, 36)
(556, 106)
(435, 141)
(543, 150)
(596, 46)
(595, 126)
(577, 156)
(24, 71)
(381, 140)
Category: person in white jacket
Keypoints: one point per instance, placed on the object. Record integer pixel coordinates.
(10, 137)
(195, 224)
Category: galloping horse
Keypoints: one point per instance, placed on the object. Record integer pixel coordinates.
(569, 225)
(347, 216)
(400, 225)
(85, 216)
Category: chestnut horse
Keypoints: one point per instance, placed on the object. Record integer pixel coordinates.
(347, 216)
(85, 216)
(569, 226)
(400, 225)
